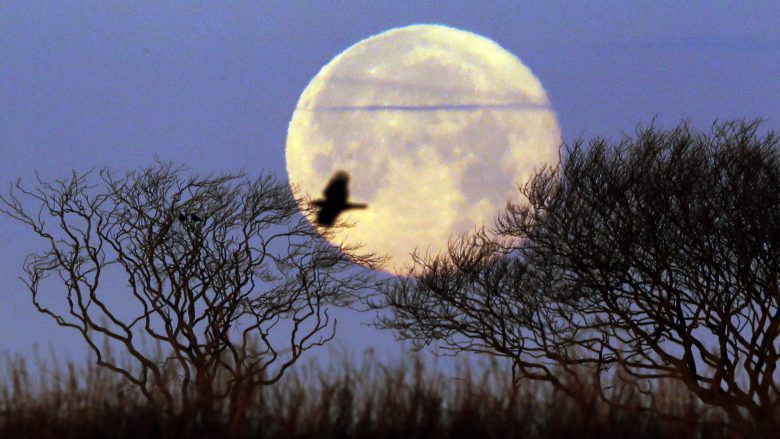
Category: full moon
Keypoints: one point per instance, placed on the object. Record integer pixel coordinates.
(436, 127)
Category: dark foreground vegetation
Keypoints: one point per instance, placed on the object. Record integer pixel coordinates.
(656, 257)
(353, 399)
(634, 292)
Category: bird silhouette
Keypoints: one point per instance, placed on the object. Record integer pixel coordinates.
(336, 195)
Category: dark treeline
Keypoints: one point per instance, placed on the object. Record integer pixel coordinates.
(634, 291)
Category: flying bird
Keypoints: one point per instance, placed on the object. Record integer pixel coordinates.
(336, 195)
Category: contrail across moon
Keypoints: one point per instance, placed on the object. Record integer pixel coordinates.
(514, 106)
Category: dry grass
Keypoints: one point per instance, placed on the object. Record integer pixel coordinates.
(352, 399)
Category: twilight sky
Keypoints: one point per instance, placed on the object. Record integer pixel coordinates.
(212, 86)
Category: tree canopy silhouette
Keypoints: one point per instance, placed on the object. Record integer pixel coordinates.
(235, 294)
(656, 257)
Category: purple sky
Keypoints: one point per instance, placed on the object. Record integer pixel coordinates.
(213, 86)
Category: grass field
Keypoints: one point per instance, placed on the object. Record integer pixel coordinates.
(360, 399)
(351, 399)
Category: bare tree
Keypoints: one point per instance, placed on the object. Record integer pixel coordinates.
(223, 271)
(657, 257)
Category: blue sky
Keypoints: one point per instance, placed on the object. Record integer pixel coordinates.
(212, 86)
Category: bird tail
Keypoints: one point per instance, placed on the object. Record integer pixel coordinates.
(356, 206)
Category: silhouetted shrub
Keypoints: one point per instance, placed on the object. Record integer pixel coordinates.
(656, 257)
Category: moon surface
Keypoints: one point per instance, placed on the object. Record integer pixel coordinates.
(436, 127)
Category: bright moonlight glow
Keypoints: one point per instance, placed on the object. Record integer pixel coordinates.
(436, 127)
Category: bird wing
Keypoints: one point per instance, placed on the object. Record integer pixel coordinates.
(337, 191)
